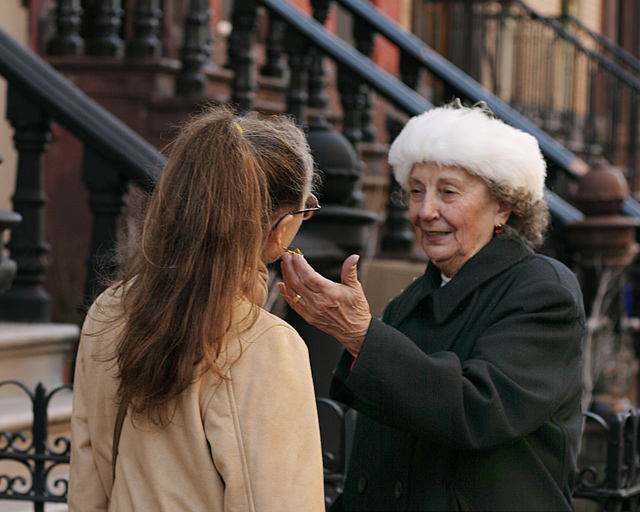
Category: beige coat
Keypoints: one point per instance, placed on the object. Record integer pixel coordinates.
(248, 444)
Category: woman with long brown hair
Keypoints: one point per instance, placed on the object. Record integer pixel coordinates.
(216, 400)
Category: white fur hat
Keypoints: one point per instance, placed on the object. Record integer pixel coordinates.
(473, 139)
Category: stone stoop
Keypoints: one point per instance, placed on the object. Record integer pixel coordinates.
(30, 354)
(27, 506)
(33, 353)
(383, 279)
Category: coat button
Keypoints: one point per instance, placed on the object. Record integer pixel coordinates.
(362, 483)
(397, 491)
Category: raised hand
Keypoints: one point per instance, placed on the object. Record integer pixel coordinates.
(339, 309)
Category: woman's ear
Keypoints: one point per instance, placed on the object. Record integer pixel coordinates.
(504, 212)
(277, 233)
(274, 247)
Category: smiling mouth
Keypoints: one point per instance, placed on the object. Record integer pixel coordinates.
(435, 234)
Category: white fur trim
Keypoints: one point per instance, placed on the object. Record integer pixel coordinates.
(470, 138)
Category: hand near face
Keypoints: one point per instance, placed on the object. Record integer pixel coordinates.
(340, 310)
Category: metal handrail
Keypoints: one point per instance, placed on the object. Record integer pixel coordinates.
(618, 51)
(383, 82)
(396, 92)
(603, 60)
(67, 105)
(472, 90)
(463, 83)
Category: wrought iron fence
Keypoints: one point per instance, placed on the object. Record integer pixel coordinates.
(613, 482)
(616, 484)
(37, 482)
(44, 478)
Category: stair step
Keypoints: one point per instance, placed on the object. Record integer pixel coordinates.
(27, 506)
(33, 353)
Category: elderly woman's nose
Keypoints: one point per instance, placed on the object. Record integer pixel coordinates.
(429, 208)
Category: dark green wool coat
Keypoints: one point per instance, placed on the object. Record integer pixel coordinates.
(469, 394)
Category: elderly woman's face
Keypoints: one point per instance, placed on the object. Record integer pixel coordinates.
(453, 213)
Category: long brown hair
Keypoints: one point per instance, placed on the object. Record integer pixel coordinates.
(200, 247)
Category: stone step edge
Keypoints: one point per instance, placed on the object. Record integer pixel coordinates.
(27, 506)
(14, 335)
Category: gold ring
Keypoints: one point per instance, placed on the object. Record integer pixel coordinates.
(296, 298)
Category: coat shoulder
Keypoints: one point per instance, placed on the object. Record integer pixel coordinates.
(542, 268)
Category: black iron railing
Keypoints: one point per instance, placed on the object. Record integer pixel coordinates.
(297, 51)
(358, 77)
(604, 45)
(613, 482)
(44, 465)
(571, 82)
(115, 156)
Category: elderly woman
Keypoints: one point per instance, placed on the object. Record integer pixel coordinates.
(469, 387)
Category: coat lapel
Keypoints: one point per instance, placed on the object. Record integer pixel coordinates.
(495, 257)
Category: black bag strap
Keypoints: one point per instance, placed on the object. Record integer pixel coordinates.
(122, 412)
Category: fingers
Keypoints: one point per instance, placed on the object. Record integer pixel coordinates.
(287, 293)
(301, 277)
(340, 310)
(350, 271)
(289, 276)
(293, 288)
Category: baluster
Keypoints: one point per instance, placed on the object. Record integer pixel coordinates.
(107, 24)
(590, 136)
(27, 300)
(245, 25)
(274, 66)
(364, 38)
(317, 74)
(352, 101)
(39, 430)
(297, 49)
(195, 50)
(398, 238)
(106, 201)
(499, 41)
(233, 40)
(67, 40)
(632, 144)
(613, 102)
(631, 450)
(615, 452)
(146, 26)
(8, 267)
(409, 70)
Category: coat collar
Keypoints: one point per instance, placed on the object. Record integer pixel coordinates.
(499, 254)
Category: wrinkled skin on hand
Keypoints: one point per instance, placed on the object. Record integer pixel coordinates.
(339, 309)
